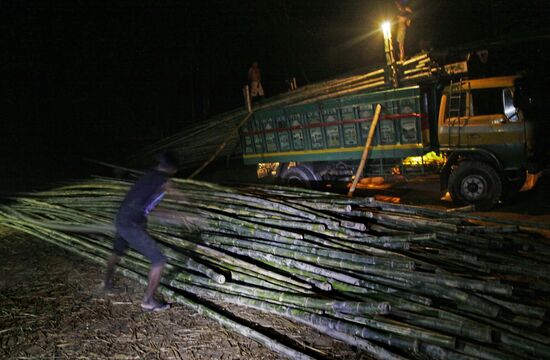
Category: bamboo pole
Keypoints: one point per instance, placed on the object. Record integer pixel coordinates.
(365, 154)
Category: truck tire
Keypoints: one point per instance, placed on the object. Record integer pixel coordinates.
(300, 176)
(475, 183)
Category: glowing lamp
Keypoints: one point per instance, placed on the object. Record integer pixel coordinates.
(386, 29)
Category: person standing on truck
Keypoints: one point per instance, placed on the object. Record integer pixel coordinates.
(403, 22)
(131, 221)
(255, 82)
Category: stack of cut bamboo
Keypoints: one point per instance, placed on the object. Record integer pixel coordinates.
(392, 280)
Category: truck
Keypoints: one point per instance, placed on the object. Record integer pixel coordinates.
(482, 128)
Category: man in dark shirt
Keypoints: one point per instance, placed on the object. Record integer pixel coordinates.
(131, 222)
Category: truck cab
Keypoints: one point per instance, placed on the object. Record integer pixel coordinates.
(486, 139)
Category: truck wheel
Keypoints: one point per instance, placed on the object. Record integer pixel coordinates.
(475, 183)
(300, 176)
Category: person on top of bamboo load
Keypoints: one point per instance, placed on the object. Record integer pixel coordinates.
(403, 22)
(255, 82)
(131, 221)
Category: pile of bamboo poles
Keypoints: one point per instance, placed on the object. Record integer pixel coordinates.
(392, 280)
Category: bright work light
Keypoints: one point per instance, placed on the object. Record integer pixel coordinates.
(386, 29)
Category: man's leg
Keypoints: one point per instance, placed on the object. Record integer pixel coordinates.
(110, 272)
(140, 240)
(119, 248)
(154, 279)
(401, 34)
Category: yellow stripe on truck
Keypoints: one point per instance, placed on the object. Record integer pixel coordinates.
(336, 150)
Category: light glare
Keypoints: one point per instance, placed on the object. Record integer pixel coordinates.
(386, 29)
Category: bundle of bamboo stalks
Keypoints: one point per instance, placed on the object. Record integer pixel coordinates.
(392, 280)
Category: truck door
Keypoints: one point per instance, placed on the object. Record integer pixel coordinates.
(485, 118)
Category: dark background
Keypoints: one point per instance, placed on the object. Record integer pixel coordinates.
(100, 79)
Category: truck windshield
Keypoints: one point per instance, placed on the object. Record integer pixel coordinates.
(509, 109)
(487, 102)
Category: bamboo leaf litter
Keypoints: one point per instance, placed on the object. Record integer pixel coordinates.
(391, 280)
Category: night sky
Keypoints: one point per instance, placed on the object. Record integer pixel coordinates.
(101, 78)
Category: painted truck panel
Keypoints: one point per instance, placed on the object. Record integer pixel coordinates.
(336, 129)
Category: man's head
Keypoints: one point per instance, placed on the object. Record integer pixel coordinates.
(168, 162)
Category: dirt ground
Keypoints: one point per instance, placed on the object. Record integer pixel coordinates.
(52, 306)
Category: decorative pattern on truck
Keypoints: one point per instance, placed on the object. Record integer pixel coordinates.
(388, 129)
(336, 129)
(333, 132)
(387, 132)
(270, 137)
(248, 143)
(409, 126)
(284, 136)
(315, 133)
(258, 139)
(350, 130)
(298, 132)
(409, 131)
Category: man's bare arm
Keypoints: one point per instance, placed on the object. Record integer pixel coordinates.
(173, 192)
